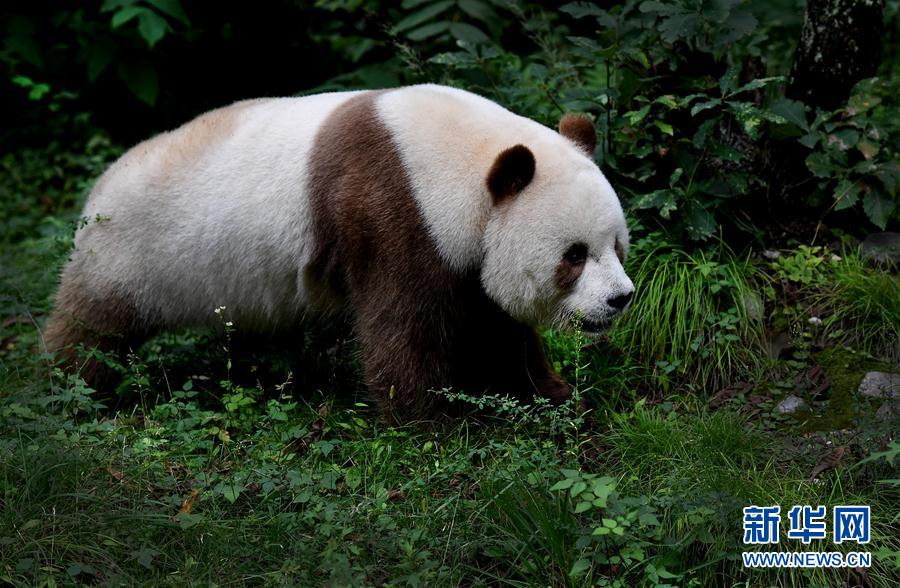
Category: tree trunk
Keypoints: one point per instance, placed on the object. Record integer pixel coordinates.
(840, 44)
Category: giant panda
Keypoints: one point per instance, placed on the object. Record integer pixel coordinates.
(444, 226)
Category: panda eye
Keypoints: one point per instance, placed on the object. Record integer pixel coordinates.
(620, 252)
(576, 254)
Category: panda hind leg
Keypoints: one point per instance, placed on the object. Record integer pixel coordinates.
(82, 321)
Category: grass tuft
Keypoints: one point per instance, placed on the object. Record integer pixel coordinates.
(696, 317)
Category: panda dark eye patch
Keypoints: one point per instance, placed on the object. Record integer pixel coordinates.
(576, 254)
(570, 266)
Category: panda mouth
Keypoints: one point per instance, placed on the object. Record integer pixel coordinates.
(594, 326)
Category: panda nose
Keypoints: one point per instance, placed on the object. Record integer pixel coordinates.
(621, 301)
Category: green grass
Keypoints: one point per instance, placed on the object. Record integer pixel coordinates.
(92, 499)
(696, 317)
(862, 308)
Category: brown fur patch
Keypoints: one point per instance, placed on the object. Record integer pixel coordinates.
(580, 129)
(567, 273)
(512, 170)
(620, 252)
(421, 327)
(108, 322)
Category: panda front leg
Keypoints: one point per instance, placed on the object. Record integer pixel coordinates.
(540, 373)
(506, 357)
(405, 361)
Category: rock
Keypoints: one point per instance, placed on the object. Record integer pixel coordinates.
(790, 404)
(882, 247)
(880, 385)
(889, 411)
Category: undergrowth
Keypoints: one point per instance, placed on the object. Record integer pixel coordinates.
(696, 317)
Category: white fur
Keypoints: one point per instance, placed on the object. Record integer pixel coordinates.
(448, 140)
(229, 227)
(185, 228)
(526, 239)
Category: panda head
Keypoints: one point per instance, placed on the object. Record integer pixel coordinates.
(556, 237)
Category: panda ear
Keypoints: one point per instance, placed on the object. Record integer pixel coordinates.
(579, 129)
(512, 171)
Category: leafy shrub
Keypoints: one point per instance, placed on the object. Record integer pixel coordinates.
(687, 95)
(855, 152)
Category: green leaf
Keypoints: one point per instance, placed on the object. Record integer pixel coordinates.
(664, 127)
(700, 137)
(636, 116)
(793, 111)
(583, 506)
(756, 84)
(126, 14)
(662, 8)
(889, 176)
(99, 56)
(324, 446)
(145, 557)
(578, 488)
(664, 200)
(863, 98)
(728, 81)
(699, 223)
(602, 488)
(141, 78)
(878, 207)
(589, 45)
(868, 148)
(171, 7)
(20, 39)
(843, 139)
(468, 33)
(679, 26)
(478, 10)
(846, 194)
(583, 9)
(430, 30)
(667, 100)
(231, 492)
(820, 165)
(110, 5)
(38, 91)
(562, 484)
(701, 106)
(810, 139)
(749, 117)
(152, 28)
(579, 567)
(741, 23)
(676, 175)
(426, 14)
(187, 520)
